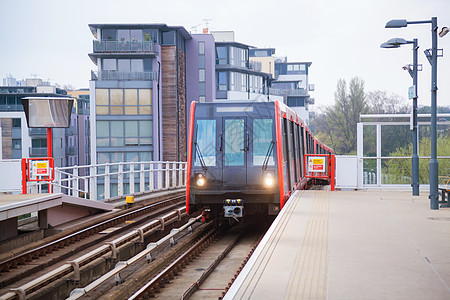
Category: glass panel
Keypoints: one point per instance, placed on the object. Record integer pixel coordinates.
(101, 97)
(117, 142)
(262, 141)
(137, 65)
(145, 141)
(103, 128)
(133, 141)
(109, 64)
(370, 140)
(396, 171)
(116, 110)
(123, 65)
(201, 47)
(396, 140)
(131, 128)
(130, 96)
(136, 35)
(102, 110)
(103, 157)
(145, 110)
(221, 55)
(145, 97)
(370, 171)
(117, 128)
(117, 157)
(145, 128)
(201, 61)
(116, 96)
(206, 143)
(131, 110)
(123, 35)
(132, 156)
(145, 156)
(234, 142)
(109, 34)
(102, 142)
(201, 75)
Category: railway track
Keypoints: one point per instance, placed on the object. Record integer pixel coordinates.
(204, 270)
(20, 269)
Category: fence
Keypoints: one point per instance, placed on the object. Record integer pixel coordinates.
(105, 181)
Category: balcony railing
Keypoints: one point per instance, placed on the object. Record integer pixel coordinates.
(119, 46)
(38, 152)
(37, 131)
(282, 92)
(123, 76)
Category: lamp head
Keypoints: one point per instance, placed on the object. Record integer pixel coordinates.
(396, 23)
(389, 46)
(444, 31)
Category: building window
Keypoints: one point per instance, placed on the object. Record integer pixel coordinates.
(123, 101)
(202, 99)
(221, 55)
(201, 47)
(17, 144)
(222, 81)
(124, 133)
(16, 123)
(201, 75)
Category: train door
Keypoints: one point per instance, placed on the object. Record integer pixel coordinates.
(235, 146)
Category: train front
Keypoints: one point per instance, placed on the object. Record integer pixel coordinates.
(232, 160)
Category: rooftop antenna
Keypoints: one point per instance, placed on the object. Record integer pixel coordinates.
(195, 28)
(206, 29)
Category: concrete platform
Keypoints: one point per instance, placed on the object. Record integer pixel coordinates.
(351, 245)
(52, 209)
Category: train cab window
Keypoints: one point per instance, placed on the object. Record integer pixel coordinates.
(234, 142)
(263, 142)
(205, 146)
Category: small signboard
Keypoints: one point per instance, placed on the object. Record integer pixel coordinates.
(412, 92)
(40, 168)
(317, 164)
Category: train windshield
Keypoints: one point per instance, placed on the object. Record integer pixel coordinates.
(262, 142)
(234, 142)
(205, 147)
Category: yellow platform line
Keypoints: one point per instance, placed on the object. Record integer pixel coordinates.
(309, 277)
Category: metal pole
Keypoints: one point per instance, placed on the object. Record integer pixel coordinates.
(434, 203)
(415, 156)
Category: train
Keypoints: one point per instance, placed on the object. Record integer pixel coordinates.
(246, 158)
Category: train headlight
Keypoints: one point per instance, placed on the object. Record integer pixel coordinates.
(200, 179)
(268, 179)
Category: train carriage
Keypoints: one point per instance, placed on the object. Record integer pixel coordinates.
(245, 158)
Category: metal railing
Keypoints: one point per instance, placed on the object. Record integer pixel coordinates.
(123, 76)
(114, 180)
(123, 46)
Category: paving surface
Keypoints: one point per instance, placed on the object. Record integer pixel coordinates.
(351, 245)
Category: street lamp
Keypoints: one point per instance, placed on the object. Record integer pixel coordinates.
(396, 43)
(432, 58)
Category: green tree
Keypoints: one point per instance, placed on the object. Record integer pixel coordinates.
(399, 170)
(342, 117)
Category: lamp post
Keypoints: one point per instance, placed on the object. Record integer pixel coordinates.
(396, 43)
(432, 58)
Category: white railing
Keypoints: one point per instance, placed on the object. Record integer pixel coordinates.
(114, 180)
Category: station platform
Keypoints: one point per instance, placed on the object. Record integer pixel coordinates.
(52, 209)
(351, 245)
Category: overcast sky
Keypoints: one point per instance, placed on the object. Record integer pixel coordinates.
(341, 38)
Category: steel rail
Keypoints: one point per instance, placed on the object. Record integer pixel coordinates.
(75, 265)
(76, 236)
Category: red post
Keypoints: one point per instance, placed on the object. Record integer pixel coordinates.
(49, 153)
(333, 171)
(24, 175)
(49, 143)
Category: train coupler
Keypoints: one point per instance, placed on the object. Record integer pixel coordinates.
(233, 208)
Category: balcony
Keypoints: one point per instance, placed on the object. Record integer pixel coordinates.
(123, 47)
(123, 76)
(38, 152)
(71, 150)
(37, 131)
